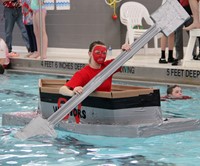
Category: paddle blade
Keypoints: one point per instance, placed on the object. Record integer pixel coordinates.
(37, 126)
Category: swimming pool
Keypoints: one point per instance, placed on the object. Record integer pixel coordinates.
(20, 92)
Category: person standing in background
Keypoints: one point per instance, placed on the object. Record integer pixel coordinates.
(35, 6)
(179, 34)
(4, 59)
(12, 15)
(28, 22)
(194, 5)
(163, 42)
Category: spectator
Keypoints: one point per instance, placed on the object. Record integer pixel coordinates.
(194, 5)
(41, 46)
(179, 35)
(1, 69)
(164, 41)
(4, 60)
(28, 22)
(12, 15)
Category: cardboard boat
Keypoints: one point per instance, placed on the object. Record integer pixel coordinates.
(123, 105)
(126, 111)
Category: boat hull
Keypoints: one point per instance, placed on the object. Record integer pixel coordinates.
(167, 126)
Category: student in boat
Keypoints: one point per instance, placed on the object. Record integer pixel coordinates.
(97, 62)
(174, 92)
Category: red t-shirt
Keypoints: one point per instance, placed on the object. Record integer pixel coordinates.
(83, 76)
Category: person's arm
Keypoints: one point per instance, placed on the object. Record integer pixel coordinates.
(126, 47)
(74, 85)
(65, 91)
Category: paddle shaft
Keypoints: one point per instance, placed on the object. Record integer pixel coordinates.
(103, 75)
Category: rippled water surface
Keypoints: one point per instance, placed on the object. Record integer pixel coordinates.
(19, 92)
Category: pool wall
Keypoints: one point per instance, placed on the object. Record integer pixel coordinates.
(166, 74)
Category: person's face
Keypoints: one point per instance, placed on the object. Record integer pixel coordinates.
(177, 92)
(99, 53)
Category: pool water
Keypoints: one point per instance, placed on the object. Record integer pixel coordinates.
(19, 92)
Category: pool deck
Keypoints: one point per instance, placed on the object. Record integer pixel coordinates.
(141, 67)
